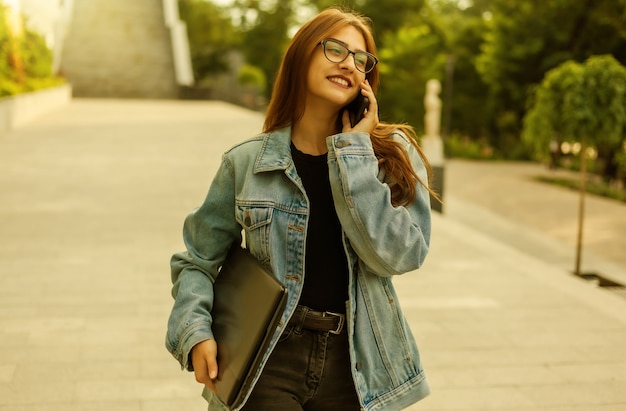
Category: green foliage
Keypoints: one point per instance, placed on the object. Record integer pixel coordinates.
(345, 4)
(391, 15)
(251, 76)
(592, 186)
(211, 35)
(576, 101)
(605, 83)
(387, 16)
(464, 93)
(265, 33)
(524, 41)
(554, 111)
(25, 61)
(36, 56)
(409, 58)
(489, 56)
(456, 146)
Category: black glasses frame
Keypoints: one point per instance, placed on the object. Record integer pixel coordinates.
(354, 53)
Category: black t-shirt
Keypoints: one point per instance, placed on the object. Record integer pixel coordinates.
(326, 266)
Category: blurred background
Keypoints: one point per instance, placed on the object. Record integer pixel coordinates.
(492, 58)
(94, 192)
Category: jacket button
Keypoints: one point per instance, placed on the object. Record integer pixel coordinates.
(358, 366)
(342, 144)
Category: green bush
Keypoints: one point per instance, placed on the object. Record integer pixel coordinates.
(252, 76)
(25, 61)
(593, 186)
(457, 146)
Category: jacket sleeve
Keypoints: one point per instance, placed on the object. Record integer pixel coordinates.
(208, 233)
(389, 239)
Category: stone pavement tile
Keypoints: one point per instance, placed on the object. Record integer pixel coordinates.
(611, 372)
(51, 392)
(145, 389)
(485, 399)
(496, 376)
(500, 331)
(76, 371)
(89, 312)
(537, 218)
(25, 354)
(97, 193)
(196, 403)
(82, 406)
(590, 394)
(577, 407)
(585, 407)
(7, 372)
(437, 358)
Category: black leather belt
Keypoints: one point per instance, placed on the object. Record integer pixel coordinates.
(309, 319)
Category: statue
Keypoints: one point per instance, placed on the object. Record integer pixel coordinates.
(432, 105)
(431, 142)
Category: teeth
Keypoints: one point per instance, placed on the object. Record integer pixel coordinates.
(339, 81)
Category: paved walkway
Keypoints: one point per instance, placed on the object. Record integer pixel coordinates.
(504, 198)
(93, 198)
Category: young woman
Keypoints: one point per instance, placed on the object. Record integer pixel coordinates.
(335, 210)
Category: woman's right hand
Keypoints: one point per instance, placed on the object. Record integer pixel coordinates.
(370, 120)
(204, 361)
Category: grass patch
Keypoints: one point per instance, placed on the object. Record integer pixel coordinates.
(593, 186)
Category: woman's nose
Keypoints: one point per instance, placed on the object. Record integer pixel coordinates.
(348, 63)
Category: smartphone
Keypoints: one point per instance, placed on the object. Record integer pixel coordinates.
(357, 108)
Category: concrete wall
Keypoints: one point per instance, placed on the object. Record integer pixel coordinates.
(119, 48)
(180, 43)
(18, 110)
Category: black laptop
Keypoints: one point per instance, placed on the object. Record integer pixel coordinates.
(248, 305)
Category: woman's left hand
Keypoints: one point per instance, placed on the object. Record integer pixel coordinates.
(370, 120)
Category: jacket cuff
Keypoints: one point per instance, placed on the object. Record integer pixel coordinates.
(351, 140)
(196, 334)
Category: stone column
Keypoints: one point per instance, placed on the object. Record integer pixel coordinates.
(431, 142)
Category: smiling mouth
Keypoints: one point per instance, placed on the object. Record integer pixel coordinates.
(340, 81)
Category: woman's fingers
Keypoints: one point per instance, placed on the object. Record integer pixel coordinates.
(204, 360)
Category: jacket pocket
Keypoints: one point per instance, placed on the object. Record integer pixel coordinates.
(256, 222)
(385, 339)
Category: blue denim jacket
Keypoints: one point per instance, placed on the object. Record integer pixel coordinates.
(257, 190)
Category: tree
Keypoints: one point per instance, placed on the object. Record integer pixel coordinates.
(606, 78)
(555, 108)
(387, 16)
(581, 102)
(576, 100)
(409, 57)
(212, 37)
(265, 38)
(346, 4)
(524, 41)
(25, 60)
(464, 92)
(391, 15)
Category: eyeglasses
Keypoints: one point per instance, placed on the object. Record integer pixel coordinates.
(336, 52)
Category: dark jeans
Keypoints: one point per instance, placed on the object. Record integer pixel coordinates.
(308, 371)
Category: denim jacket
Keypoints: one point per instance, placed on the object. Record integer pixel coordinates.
(257, 190)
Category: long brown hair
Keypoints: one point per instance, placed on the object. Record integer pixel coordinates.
(287, 104)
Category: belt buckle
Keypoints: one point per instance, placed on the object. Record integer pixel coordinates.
(342, 320)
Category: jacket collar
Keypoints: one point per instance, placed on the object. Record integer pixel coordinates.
(275, 153)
